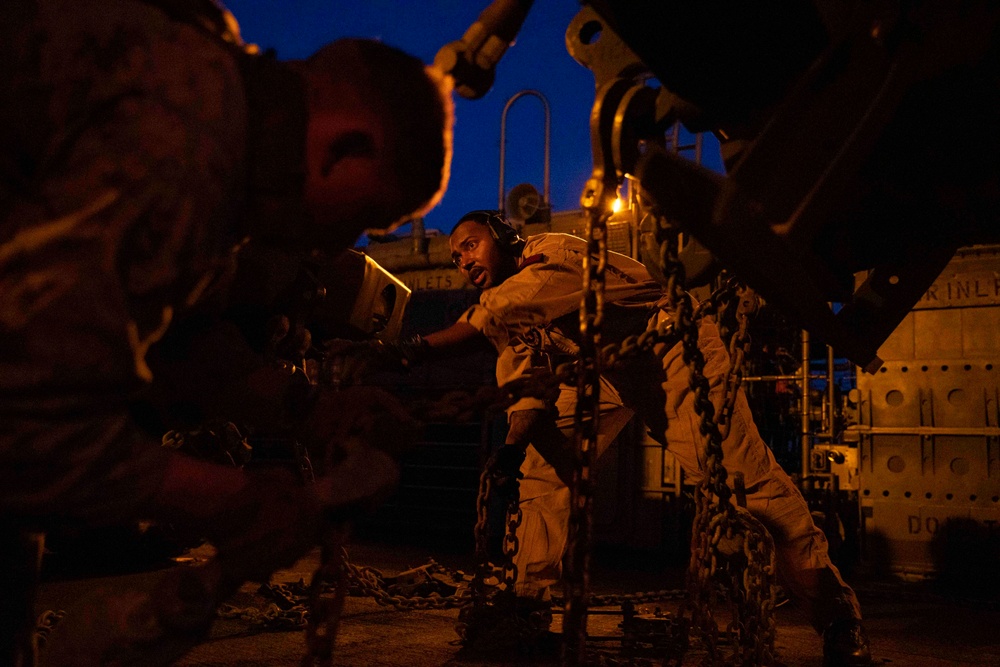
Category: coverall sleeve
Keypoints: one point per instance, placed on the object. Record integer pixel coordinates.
(546, 288)
(515, 359)
(127, 132)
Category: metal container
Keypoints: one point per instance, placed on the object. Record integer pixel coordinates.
(929, 424)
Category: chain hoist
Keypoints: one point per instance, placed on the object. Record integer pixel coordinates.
(627, 121)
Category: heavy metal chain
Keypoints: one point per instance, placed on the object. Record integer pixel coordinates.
(488, 602)
(325, 611)
(728, 545)
(287, 610)
(719, 528)
(510, 544)
(739, 344)
(296, 606)
(370, 582)
(586, 425)
(510, 541)
(709, 516)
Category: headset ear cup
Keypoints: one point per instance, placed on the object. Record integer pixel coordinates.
(505, 235)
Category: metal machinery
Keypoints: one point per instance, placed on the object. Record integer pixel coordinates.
(822, 111)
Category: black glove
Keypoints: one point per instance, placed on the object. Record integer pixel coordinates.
(349, 361)
(507, 468)
(411, 351)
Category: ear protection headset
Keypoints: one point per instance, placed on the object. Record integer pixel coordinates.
(506, 237)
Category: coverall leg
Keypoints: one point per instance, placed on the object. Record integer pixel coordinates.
(661, 394)
(545, 498)
(801, 547)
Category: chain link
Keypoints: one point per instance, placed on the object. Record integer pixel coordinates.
(47, 620)
(511, 544)
(728, 545)
(739, 348)
(493, 605)
(370, 582)
(586, 424)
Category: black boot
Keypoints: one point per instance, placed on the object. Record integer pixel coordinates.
(845, 644)
(506, 623)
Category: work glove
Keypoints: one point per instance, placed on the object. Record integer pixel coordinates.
(347, 362)
(507, 469)
(412, 350)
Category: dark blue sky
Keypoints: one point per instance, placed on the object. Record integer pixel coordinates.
(539, 60)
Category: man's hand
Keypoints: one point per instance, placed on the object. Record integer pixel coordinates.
(507, 469)
(538, 428)
(347, 362)
(412, 350)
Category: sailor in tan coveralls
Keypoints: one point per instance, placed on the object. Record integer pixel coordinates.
(528, 310)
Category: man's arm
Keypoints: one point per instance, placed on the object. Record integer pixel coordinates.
(538, 428)
(459, 338)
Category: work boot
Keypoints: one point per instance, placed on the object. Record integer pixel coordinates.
(507, 624)
(845, 644)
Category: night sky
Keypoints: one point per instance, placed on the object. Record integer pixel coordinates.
(539, 61)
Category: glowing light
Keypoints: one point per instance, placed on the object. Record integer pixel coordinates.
(616, 205)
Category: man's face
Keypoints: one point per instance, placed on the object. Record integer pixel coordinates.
(479, 258)
(378, 140)
(349, 187)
